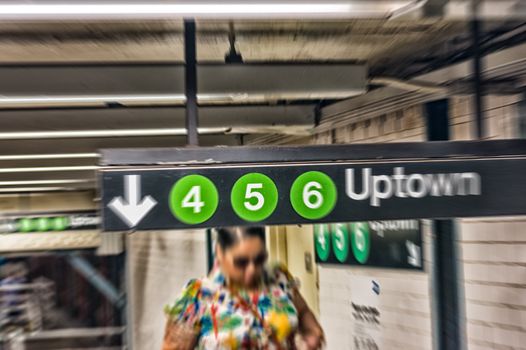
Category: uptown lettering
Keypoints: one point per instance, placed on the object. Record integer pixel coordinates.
(380, 187)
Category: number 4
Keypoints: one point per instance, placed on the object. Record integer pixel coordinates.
(193, 199)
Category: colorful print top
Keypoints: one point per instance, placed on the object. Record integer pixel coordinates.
(223, 321)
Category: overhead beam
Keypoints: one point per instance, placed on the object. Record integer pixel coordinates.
(164, 84)
(253, 119)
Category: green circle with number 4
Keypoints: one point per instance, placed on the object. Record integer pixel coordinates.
(322, 239)
(254, 197)
(194, 199)
(26, 225)
(313, 195)
(360, 241)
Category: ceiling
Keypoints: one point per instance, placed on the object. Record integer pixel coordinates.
(83, 58)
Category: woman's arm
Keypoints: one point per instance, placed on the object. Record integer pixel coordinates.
(178, 336)
(309, 327)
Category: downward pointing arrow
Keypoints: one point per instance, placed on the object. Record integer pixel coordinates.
(130, 210)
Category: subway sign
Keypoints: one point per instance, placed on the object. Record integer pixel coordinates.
(386, 244)
(49, 222)
(272, 194)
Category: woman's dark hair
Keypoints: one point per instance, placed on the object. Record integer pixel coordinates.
(230, 236)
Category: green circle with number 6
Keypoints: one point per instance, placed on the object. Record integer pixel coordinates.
(194, 199)
(254, 197)
(313, 195)
(360, 241)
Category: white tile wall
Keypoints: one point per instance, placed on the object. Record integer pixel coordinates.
(161, 263)
(493, 249)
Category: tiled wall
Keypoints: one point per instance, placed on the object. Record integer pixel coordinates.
(161, 263)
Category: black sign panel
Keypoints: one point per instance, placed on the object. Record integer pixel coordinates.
(390, 244)
(180, 197)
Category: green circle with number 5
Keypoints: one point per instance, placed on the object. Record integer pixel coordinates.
(194, 199)
(313, 195)
(254, 197)
(340, 241)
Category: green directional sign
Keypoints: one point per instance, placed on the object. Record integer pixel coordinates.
(254, 197)
(322, 241)
(50, 221)
(360, 241)
(387, 244)
(194, 199)
(340, 241)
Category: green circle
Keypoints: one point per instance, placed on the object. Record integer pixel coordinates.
(194, 199)
(360, 241)
(313, 195)
(340, 241)
(59, 223)
(321, 240)
(43, 224)
(254, 197)
(25, 225)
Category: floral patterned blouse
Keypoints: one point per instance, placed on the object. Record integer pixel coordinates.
(225, 321)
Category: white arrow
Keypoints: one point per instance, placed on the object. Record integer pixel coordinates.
(130, 210)
(414, 254)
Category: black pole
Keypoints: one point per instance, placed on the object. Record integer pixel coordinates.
(447, 294)
(191, 83)
(477, 74)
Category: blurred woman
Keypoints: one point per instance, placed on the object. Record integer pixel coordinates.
(242, 304)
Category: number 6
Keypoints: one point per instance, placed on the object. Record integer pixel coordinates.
(308, 193)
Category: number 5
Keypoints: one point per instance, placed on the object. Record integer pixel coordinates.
(250, 193)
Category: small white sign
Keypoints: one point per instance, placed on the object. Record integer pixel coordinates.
(365, 313)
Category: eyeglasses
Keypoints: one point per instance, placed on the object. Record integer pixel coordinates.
(242, 262)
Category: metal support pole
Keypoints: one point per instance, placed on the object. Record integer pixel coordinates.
(478, 87)
(191, 83)
(447, 294)
(98, 281)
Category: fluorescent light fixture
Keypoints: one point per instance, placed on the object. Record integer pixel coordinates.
(35, 189)
(184, 9)
(48, 169)
(49, 156)
(8, 101)
(45, 182)
(70, 134)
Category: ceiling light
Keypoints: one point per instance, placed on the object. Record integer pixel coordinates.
(153, 10)
(49, 169)
(35, 189)
(8, 101)
(44, 182)
(68, 134)
(49, 156)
